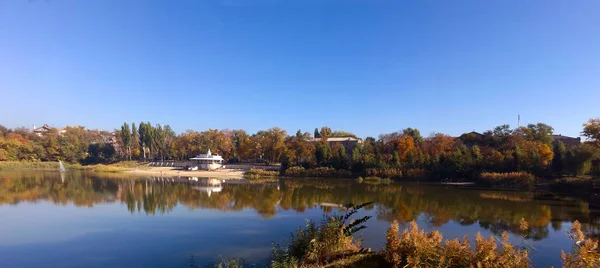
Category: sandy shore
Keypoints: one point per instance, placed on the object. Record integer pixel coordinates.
(169, 171)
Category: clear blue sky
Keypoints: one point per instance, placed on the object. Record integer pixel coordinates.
(367, 67)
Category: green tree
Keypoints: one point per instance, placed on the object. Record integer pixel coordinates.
(126, 138)
(558, 161)
(539, 132)
(580, 158)
(135, 140)
(591, 130)
(317, 134)
(323, 153)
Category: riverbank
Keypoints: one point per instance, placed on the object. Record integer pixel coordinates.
(171, 172)
(124, 167)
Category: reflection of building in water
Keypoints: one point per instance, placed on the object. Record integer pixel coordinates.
(208, 185)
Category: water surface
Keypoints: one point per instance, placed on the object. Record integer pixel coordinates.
(97, 220)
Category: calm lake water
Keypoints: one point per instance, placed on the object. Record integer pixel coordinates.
(96, 220)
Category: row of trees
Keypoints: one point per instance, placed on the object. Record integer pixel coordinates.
(74, 144)
(530, 148)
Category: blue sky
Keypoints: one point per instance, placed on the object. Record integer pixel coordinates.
(367, 67)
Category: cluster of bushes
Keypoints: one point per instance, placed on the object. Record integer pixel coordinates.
(259, 172)
(508, 179)
(416, 173)
(327, 172)
(580, 185)
(373, 180)
(397, 173)
(393, 173)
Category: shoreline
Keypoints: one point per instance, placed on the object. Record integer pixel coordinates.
(171, 172)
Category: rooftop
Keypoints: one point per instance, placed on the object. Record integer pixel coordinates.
(207, 156)
(337, 139)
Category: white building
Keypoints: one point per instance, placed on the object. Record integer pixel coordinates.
(208, 161)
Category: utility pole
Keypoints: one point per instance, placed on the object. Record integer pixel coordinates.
(519, 120)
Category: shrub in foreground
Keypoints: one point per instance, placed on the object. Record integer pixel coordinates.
(585, 250)
(508, 180)
(318, 245)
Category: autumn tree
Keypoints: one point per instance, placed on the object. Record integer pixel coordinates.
(273, 141)
(415, 134)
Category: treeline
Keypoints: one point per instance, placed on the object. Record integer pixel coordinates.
(403, 154)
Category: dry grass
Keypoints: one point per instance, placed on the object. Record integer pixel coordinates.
(585, 250)
(416, 248)
(16, 165)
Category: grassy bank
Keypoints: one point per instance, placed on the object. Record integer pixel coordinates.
(17, 165)
(22, 165)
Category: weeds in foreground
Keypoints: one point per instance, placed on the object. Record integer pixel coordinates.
(331, 244)
(317, 245)
(416, 248)
(585, 250)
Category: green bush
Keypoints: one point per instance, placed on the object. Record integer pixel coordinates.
(393, 173)
(580, 185)
(325, 172)
(416, 173)
(508, 180)
(254, 173)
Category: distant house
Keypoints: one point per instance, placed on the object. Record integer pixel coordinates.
(568, 141)
(348, 142)
(472, 138)
(45, 129)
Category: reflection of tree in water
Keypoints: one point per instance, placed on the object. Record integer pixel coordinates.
(494, 210)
